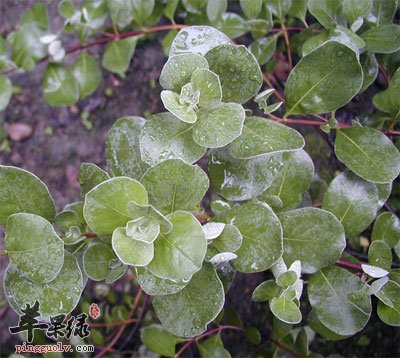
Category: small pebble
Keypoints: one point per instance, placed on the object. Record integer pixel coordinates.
(19, 131)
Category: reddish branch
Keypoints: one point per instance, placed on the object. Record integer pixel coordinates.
(113, 324)
(348, 264)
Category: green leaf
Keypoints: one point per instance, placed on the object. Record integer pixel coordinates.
(158, 340)
(33, 247)
(279, 8)
(167, 185)
(137, 211)
(356, 10)
(5, 92)
(266, 291)
(87, 73)
(172, 103)
(194, 6)
(198, 40)
(382, 39)
(368, 153)
(287, 311)
(353, 201)
(310, 91)
(123, 148)
(291, 180)
(37, 14)
(66, 8)
(96, 259)
(370, 69)
(327, 12)
(389, 315)
(374, 271)
(264, 48)
(388, 101)
(313, 236)
(178, 70)
(209, 86)
(212, 230)
(106, 205)
(143, 229)
(382, 12)
(387, 228)
(215, 9)
(157, 286)
(230, 239)
(67, 219)
(262, 237)
(165, 137)
(241, 179)
(328, 292)
(118, 55)
(313, 42)
(130, 251)
(298, 9)
(142, 9)
(218, 126)
(213, 347)
(91, 175)
(238, 71)
(251, 8)
(23, 192)
(180, 253)
(60, 296)
(262, 136)
(120, 12)
(187, 312)
(60, 88)
(233, 25)
(317, 326)
(380, 255)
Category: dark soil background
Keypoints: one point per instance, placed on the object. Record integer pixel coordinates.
(55, 141)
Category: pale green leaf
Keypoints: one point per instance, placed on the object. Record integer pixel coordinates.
(209, 86)
(194, 6)
(215, 9)
(382, 39)
(158, 340)
(178, 70)
(60, 296)
(356, 9)
(313, 236)
(263, 48)
(106, 205)
(187, 312)
(279, 8)
(142, 9)
(96, 259)
(171, 102)
(387, 228)
(91, 175)
(262, 136)
(212, 230)
(285, 310)
(382, 12)
(218, 126)
(130, 251)
(197, 39)
(291, 180)
(87, 73)
(143, 229)
(370, 69)
(251, 8)
(118, 55)
(120, 12)
(238, 71)
(180, 253)
(374, 271)
(157, 286)
(389, 315)
(328, 292)
(165, 137)
(317, 326)
(242, 179)
(5, 92)
(168, 189)
(230, 239)
(380, 255)
(310, 91)
(60, 88)
(327, 12)
(33, 247)
(262, 237)
(368, 153)
(298, 9)
(232, 25)
(353, 201)
(123, 149)
(266, 291)
(23, 192)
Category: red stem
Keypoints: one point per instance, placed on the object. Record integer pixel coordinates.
(348, 264)
(204, 335)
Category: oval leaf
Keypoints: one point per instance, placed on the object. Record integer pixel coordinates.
(387, 228)
(88, 74)
(96, 260)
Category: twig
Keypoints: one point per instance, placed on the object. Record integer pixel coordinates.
(276, 93)
(204, 335)
(284, 348)
(348, 264)
(113, 324)
(122, 329)
(287, 42)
